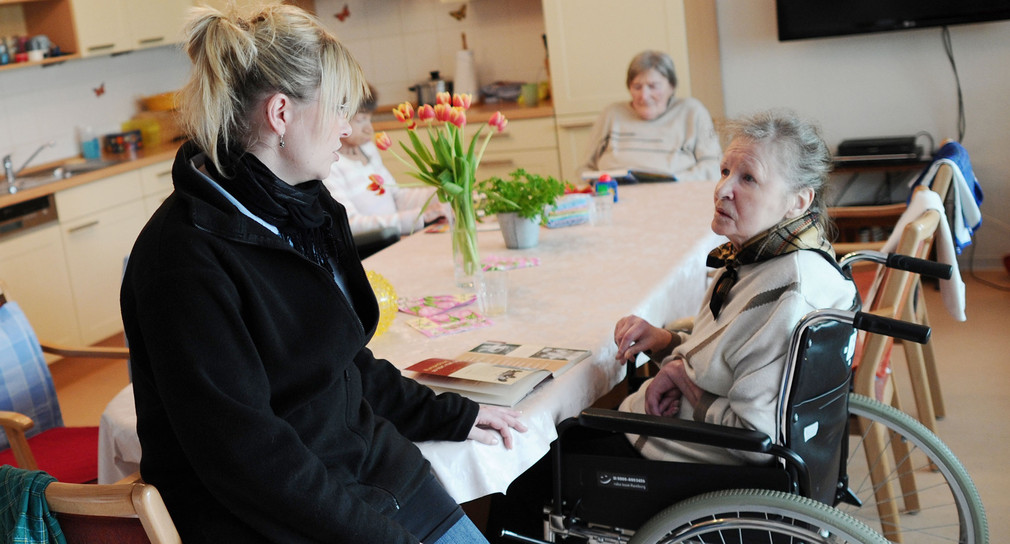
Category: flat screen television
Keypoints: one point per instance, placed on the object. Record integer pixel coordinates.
(801, 19)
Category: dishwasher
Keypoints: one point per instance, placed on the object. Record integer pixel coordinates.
(25, 215)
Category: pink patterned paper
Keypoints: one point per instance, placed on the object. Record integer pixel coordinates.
(433, 304)
(497, 262)
(451, 322)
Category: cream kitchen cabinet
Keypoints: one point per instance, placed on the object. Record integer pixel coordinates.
(99, 222)
(33, 272)
(113, 26)
(156, 184)
(525, 143)
(591, 42)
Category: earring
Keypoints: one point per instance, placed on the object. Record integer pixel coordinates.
(282, 140)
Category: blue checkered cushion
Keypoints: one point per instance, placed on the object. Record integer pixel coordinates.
(26, 386)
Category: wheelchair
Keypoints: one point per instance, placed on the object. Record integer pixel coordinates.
(840, 459)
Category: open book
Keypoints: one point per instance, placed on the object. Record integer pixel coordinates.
(496, 372)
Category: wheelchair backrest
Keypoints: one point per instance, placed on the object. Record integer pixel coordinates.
(813, 406)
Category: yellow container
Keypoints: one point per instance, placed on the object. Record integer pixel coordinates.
(150, 131)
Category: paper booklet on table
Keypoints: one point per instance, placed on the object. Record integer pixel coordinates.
(628, 176)
(496, 372)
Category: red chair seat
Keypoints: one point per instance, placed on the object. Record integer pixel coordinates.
(69, 454)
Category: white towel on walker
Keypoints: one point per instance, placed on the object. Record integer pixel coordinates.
(952, 290)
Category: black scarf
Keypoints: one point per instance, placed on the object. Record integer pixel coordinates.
(802, 232)
(295, 210)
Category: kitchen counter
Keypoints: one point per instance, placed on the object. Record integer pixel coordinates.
(383, 118)
(140, 159)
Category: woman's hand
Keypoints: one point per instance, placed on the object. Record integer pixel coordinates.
(634, 335)
(671, 384)
(495, 421)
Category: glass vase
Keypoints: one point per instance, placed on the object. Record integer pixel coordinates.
(465, 255)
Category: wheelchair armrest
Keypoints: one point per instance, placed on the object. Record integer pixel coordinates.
(677, 429)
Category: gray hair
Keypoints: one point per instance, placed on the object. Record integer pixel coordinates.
(241, 58)
(799, 146)
(655, 60)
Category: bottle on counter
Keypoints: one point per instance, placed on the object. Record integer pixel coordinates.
(91, 149)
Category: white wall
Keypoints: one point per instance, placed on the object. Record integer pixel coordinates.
(398, 42)
(41, 104)
(887, 84)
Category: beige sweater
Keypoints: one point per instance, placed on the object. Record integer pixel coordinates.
(738, 359)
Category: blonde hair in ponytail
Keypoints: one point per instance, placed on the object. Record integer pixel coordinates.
(240, 59)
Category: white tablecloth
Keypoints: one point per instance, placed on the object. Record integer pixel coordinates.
(650, 262)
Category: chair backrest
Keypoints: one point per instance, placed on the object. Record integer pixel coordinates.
(122, 513)
(890, 296)
(26, 386)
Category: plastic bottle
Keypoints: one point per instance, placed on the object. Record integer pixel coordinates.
(91, 149)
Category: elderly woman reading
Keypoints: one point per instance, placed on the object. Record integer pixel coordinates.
(776, 267)
(656, 132)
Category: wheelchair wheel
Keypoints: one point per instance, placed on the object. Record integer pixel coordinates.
(753, 515)
(921, 493)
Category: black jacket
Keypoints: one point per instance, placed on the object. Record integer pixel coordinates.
(261, 414)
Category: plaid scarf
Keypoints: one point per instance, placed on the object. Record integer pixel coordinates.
(791, 235)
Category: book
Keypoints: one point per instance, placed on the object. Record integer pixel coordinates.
(485, 383)
(495, 372)
(554, 359)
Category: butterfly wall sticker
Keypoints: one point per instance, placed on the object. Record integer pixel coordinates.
(343, 14)
(459, 14)
(99, 90)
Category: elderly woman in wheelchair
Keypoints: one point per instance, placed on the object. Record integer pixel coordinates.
(744, 405)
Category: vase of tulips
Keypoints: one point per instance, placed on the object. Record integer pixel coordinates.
(446, 161)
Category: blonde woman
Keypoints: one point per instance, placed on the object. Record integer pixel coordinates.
(262, 415)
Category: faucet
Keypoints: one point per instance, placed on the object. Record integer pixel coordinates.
(11, 175)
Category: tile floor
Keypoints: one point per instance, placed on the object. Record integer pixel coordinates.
(974, 359)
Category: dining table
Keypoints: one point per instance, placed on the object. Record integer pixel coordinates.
(577, 282)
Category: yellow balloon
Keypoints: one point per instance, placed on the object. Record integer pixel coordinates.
(386, 296)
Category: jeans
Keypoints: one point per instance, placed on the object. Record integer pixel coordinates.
(463, 532)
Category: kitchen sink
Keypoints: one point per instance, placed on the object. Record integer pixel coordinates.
(64, 171)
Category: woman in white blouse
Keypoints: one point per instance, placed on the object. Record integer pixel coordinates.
(360, 165)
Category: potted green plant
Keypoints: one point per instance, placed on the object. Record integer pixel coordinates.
(519, 203)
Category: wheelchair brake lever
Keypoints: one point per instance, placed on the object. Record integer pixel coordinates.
(505, 533)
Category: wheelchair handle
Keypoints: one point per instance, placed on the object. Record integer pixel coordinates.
(915, 265)
(891, 327)
(922, 267)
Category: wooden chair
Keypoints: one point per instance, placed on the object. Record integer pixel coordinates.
(894, 298)
(127, 512)
(29, 409)
(921, 360)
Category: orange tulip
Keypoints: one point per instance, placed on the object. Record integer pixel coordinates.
(425, 113)
(382, 141)
(498, 121)
(442, 112)
(462, 100)
(443, 98)
(404, 112)
(457, 116)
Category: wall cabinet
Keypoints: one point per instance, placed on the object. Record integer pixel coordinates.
(591, 42)
(112, 26)
(99, 222)
(33, 272)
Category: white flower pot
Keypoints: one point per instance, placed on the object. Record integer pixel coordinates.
(519, 233)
